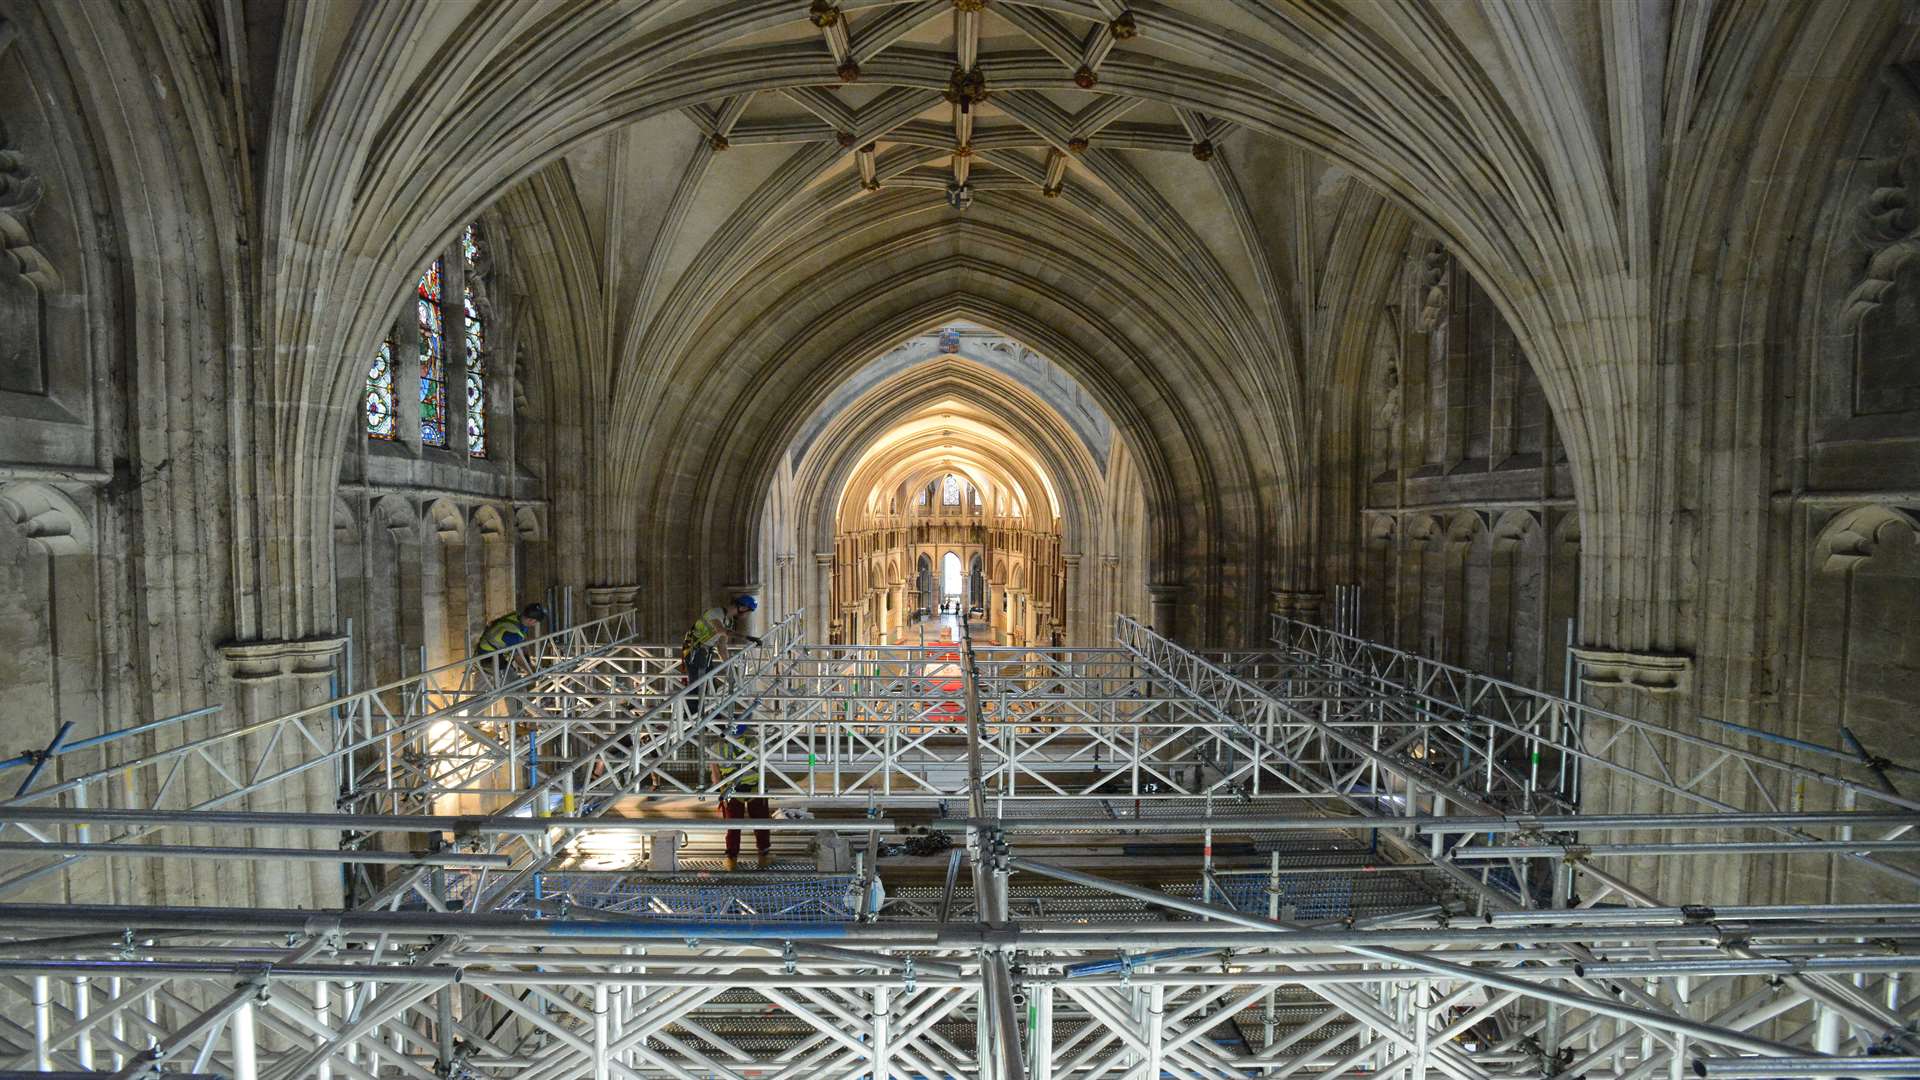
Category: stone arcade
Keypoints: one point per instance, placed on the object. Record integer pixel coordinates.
(1315, 538)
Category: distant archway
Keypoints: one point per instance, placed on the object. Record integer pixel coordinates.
(991, 453)
(952, 585)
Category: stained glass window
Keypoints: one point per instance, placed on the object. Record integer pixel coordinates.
(950, 491)
(476, 377)
(433, 358)
(476, 334)
(380, 415)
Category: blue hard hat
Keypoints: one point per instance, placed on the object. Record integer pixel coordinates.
(746, 603)
(739, 729)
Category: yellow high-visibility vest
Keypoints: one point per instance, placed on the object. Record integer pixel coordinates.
(494, 637)
(710, 625)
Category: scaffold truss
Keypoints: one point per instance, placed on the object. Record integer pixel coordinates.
(1325, 859)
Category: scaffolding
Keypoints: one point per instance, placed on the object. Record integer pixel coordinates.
(1329, 858)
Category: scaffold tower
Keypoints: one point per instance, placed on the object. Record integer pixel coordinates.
(1326, 859)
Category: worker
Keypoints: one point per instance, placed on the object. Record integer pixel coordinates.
(699, 649)
(738, 799)
(509, 630)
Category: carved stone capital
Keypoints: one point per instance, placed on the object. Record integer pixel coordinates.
(268, 661)
(604, 599)
(1297, 603)
(1655, 673)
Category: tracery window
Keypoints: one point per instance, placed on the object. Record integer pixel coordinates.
(433, 357)
(950, 491)
(476, 340)
(380, 411)
(456, 395)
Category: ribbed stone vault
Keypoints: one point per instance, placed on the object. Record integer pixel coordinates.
(1397, 95)
(1571, 342)
(1218, 228)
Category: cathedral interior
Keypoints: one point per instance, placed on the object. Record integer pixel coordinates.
(1244, 539)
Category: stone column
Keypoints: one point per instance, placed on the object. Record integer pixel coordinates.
(786, 586)
(1165, 601)
(1073, 621)
(1109, 603)
(821, 608)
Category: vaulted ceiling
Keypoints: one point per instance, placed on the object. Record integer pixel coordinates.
(732, 205)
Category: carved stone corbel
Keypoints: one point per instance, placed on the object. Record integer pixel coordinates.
(1654, 673)
(603, 600)
(1302, 604)
(268, 661)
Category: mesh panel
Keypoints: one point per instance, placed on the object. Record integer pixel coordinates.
(819, 898)
(1311, 897)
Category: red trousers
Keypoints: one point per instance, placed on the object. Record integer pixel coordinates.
(756, 809)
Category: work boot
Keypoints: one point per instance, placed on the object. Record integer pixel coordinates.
(733, 862)
(766, 860)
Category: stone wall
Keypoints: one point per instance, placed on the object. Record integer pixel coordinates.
(1466, 540)
(433, 542)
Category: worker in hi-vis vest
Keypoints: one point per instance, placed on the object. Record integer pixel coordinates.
(699, 650)
(734, 762)
(509, 630)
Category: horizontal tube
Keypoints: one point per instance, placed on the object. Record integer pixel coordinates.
(475, 825)
(1429, 824)
(435, 923)
(1765, 1068)
(1680, 847)
(202, 851)
(493, 926)
(1102, 967)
